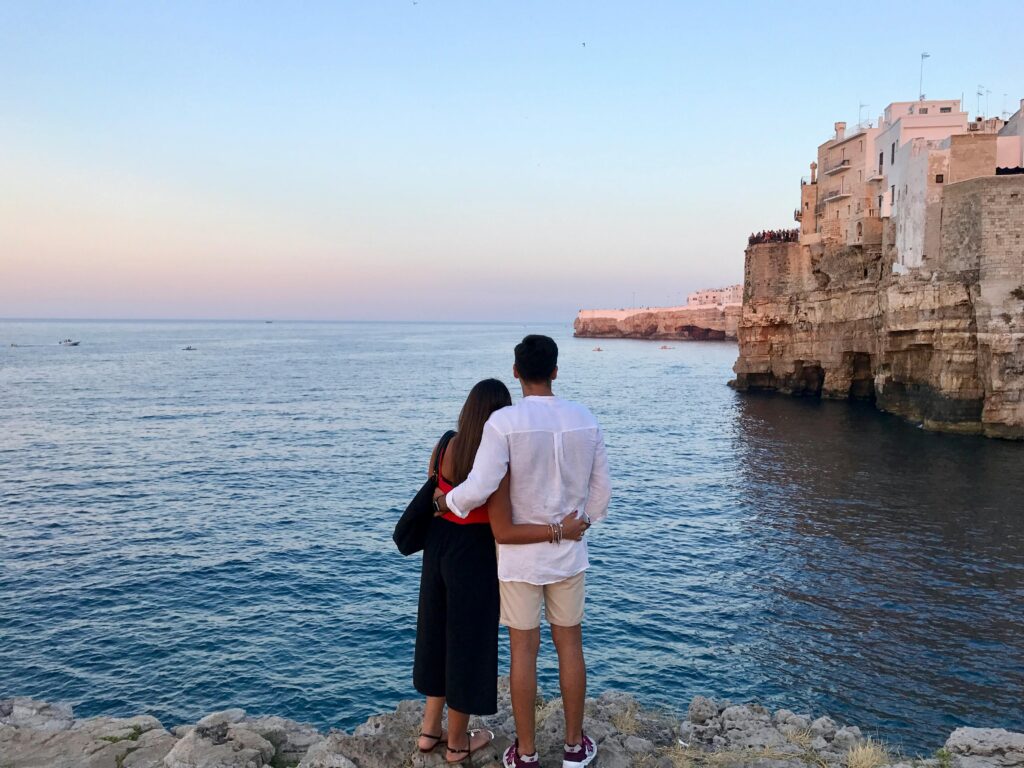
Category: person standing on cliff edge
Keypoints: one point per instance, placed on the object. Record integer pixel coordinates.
(554, 453)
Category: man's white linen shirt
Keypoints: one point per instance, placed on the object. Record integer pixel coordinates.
(558, 465)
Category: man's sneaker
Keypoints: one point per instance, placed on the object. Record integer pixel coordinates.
(512, 758)
(577, 755)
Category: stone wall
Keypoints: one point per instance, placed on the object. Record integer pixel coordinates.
(942, 345)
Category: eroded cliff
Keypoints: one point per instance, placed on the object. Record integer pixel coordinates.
(942, 344)
(667, 323)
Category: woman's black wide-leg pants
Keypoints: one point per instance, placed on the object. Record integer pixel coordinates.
(457, 627)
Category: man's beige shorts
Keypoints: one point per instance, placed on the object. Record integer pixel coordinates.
(563, 602)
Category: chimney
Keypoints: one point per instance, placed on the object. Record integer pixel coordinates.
(814, 173)
(840, 131)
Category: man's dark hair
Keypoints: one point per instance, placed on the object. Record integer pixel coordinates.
(536, 358)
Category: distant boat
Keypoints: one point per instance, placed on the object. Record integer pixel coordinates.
(69, 343)
(597, 349)
(665, 346)
(268, 321)
(189, 348)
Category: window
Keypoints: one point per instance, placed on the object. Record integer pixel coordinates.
(881, 161)
(892, 195)
(880, 205)
(893, 158)
(939, 178)
(945, 110)
(860, 231)
(923, 111)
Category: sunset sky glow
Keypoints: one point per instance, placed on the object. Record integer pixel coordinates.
(432, 160)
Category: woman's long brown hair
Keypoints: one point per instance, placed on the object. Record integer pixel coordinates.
(484, 399)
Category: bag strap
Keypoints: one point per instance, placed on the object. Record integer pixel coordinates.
(442, 446)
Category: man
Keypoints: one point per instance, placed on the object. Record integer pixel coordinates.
(555, 454)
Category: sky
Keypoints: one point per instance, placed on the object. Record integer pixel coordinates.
(433, 160)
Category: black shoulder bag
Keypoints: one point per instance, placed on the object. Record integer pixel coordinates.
(411, 530)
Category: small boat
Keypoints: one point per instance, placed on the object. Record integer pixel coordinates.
(597, 349)
(69, 343)
(665, 346)
(189, 348)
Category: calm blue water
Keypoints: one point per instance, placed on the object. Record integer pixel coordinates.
(183, 531)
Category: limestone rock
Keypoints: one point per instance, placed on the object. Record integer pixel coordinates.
(824, 727)
(23, 712)
(291, 740)
(220, 746)
(31, 748)
(229, 716)
(117, 728)
(150, 750)
(701, 710)
(847, 737)
(986, 747)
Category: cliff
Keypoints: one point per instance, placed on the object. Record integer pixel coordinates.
(941, 344)
(667, 323)
(712, 734)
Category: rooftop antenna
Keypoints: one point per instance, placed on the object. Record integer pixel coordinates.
(980, 93)
(987, 94)
(1006, 113)
(920, 79)
(860, 113)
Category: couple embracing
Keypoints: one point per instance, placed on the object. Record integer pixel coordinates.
(532, 477)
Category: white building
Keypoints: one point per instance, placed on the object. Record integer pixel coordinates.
(716, 296)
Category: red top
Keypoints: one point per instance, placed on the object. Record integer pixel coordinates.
(478, 515)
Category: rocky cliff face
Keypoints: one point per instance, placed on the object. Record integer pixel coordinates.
(942, 344)
(665, 323)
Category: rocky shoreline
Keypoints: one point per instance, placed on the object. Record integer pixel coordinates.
(712, 734)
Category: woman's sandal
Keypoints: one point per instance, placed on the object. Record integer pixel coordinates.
(468, 751)
(439, 739)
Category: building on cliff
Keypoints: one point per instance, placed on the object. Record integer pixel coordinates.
(709, 315)
(906, 284)
(716, 296)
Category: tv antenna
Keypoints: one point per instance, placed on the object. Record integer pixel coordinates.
(980, 92)
(920, 79)
(987, 94)
(860, 113)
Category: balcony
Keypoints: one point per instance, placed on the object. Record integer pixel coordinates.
(831, 197)
(837, 167)
(876, 175)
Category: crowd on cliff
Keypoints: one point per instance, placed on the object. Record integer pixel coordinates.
(774, 236)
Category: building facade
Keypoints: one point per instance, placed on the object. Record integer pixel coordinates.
(716, 296)
(883, 185)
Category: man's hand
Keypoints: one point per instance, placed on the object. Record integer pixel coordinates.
(574, 525)
(442, 503)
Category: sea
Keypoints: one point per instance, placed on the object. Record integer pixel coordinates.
(186, 530)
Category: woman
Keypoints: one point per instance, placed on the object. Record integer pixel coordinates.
(457, 627)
